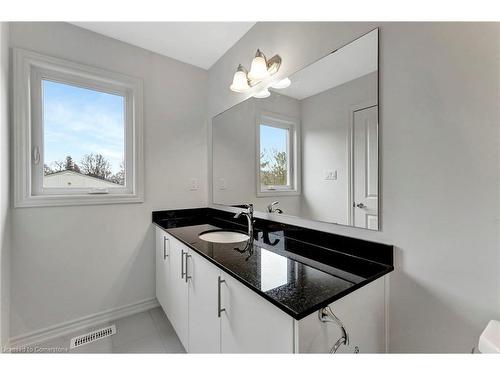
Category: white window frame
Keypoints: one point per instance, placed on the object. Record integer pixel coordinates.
(293, 151)
(30, 69)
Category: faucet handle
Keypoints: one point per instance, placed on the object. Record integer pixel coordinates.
(248, 207)
(270, 208)
(244, 205)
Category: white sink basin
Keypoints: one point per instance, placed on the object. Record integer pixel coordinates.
(223, 236)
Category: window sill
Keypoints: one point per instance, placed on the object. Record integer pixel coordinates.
(77, 200)
(277, 193)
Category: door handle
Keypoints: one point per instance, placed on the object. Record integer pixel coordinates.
(219, 309)
(165, 239)
(182, 264)
(186, 272)
(360, 205)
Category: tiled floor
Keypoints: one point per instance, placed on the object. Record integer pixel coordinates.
(146, 332)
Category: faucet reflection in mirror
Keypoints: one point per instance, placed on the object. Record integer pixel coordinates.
(261, 70)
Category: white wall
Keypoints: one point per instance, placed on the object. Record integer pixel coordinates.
(440, 141)
(5, 236)
(69, 262)
(325, 146)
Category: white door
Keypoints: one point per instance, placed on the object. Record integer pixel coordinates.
(178, 298)
(365, 168)
(204, 323)
(162, 268)
(250, 324)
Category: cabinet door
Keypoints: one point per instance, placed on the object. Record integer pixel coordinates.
(204, 323)
(178, 298)
(362, 313)
(250, 324)
(162, 268)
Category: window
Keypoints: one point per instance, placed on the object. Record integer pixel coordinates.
(277, 156)
(78, 136)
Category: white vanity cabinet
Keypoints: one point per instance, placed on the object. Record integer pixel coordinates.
(363, 314)
(178, 291)
(162, 267)
(251, 324)
(172, 293)
(204, 322)
(212, 312)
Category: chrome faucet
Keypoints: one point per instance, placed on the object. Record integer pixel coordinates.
(271, 209)
(249, 215)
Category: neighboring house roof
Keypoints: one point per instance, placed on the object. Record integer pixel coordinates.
(68, 178)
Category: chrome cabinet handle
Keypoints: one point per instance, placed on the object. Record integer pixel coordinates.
(219, 309)
(186, 273)
(360, 205)
(165, 239)
(182, 264)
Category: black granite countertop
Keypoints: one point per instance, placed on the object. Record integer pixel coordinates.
(296, 276)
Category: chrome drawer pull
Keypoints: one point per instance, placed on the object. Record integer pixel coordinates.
(182, 264)
(186, 273)
(165, 239)
(219, 309)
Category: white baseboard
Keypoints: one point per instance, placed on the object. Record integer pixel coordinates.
(88, 321)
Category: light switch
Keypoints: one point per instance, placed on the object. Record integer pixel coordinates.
(330, 175)
(222, 184)
(194, 184)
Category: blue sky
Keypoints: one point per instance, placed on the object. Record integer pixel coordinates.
(79, 121)
(272, 138)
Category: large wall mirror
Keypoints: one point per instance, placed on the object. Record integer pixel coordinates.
(312, 147)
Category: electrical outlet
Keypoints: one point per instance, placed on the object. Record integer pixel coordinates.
(222, 184)
(194, 184)
(330, 175)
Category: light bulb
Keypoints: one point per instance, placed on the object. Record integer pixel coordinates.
(262, 94)
(258, 69)
(283, 84)
(240, 81)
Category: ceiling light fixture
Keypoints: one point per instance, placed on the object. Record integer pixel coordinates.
(258, 69)
(240, 80)
(283, 84)
(261, 70)
(262, 94)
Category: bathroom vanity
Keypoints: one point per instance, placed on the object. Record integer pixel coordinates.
(308, 149)
(266, 298)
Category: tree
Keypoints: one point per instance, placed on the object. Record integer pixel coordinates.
(273, 168)
(70, 165)
(47, 170)
(119, 177)
(96, 165)
(58, 166)
(263, 163)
